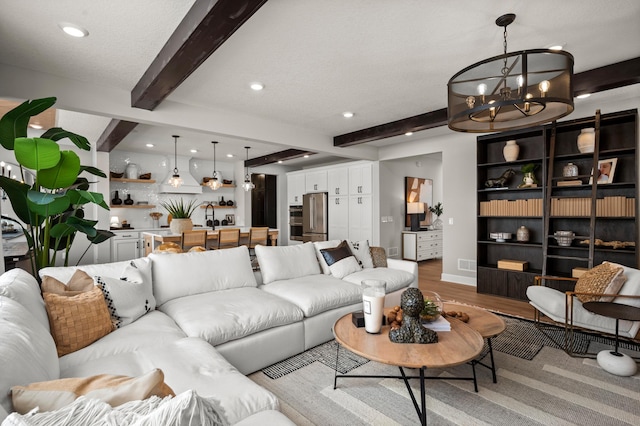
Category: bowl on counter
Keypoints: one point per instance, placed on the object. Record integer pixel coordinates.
(500, 237)
(564, 238)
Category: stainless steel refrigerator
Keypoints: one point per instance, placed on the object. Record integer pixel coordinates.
(314, 217)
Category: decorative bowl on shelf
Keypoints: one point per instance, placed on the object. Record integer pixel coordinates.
(145, 176)
(500, 237)
(227, 181)
(117, 175)
(564, 238)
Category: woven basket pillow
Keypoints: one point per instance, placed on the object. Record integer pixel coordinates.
(605, 278)
(379, 257)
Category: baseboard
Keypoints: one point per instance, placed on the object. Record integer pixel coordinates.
(459, 279)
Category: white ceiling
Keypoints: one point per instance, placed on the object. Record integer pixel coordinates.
(384, 60)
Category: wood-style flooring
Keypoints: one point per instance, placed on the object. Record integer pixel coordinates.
(429, 273)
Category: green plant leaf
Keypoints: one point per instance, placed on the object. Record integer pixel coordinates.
(17, 193)
(46, 204)
(102, 235)
(14, 123)
(60, 230)
(37, 153)
(83, 225)
(57, 133)
(93, 170)
(63, 174)
(80, 197)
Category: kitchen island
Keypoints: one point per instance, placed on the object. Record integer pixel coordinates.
(154, 238)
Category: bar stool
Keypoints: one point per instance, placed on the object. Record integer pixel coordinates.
(228, 237)
(257, 236)
(193, 238)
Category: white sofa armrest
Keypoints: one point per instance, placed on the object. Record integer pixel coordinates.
(405, 265)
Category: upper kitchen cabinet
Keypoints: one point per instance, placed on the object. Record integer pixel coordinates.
(316, 181)
(338, 181)
(360, 179)
(295, 188)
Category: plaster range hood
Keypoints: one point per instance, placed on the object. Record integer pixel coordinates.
(189, 184)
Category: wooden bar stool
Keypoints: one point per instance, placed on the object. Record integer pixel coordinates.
(257, 236)
(193, 239)
(228, 237)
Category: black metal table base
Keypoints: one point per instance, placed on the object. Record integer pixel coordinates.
(421, 409)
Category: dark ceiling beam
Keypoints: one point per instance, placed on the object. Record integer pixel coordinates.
(592, 81)
(207, 25)
(113, 134)
(287, 154)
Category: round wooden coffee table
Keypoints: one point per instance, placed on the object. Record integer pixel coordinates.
(615, 362)
(458, 346)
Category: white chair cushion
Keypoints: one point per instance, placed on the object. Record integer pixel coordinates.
(186, 274)
(286, 262)
(221, 316)
(317, 293)
(114, 269)
(27, 350)
(188, 363)
(319, 245)
(395, 278)
(19, 285)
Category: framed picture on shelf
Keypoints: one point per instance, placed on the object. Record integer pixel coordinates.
(231, 219)
(606, 170)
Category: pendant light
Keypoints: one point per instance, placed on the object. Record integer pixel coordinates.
(247, 185)
(175, 180)
(215, 182)
(511, 91)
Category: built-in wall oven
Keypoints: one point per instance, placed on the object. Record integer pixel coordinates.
(295, 223)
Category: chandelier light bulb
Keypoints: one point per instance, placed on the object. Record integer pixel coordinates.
(215, 182)
(482, 89)
(544, 86)
(247, 185)
(175, 180)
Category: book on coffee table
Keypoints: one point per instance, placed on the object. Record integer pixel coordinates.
(441, 324)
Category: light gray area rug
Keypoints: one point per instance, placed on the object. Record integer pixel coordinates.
(551, 389)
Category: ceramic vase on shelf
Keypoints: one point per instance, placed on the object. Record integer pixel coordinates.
(511, 151)
(222, 202)
(522, 234)
(570, 170)
(128, 201)
(587, 140)
(178, 226)
(116, 201)
(131, 172)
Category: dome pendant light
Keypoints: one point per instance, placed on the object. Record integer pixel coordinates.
(511, 91)
(175, 180)
(216, 181)
(247, 185)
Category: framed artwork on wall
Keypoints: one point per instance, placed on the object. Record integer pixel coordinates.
(418, 190)
(606, 170)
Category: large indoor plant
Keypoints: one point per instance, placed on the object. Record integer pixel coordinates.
(51, 208)
(180, 214)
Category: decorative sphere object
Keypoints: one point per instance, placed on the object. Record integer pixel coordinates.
(412, 330)
(511, 151)
(617, 363)
(587, 140)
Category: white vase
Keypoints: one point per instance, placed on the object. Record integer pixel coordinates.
(511, 151)
(178, 226)
(587, 140)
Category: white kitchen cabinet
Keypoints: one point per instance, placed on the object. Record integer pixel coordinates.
(338, 181)
(360, 179)
(126, 246)
(360, 218)
(295, 188)
(316, 181)
(421, 245)
(338, 211)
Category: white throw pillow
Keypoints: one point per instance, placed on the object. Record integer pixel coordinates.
(361, 251)
(286, 262)
(319, 245)
(129, 297)
(340, 260)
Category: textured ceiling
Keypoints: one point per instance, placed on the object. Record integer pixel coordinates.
(384, 60)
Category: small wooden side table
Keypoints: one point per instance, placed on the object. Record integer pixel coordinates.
(615, 362)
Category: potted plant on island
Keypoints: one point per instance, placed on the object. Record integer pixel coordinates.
(49, 196)
(437, 210)
(179, 214)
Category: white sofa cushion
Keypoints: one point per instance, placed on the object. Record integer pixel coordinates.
(19, 285)
(395, 279)
(27, 351)
(317, 293)
(362, 252)
(319, 245)
(153, 329)
(225, 315)
(285, 262)
(630, 287)
(113, 269)
(186, 274)
(188, 363)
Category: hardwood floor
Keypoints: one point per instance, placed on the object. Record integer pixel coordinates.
(429, 273)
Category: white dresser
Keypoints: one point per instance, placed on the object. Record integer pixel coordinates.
(421, 245)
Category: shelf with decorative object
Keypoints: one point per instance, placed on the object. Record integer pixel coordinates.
(124, 180)
(224, 185)
(204, 206)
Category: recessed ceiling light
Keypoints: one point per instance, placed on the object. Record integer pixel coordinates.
(230, 155)
(280, 161)
(257, 86)
(35, 126)
(73, 30)
(347, 114)
(149, 145)
(583, 96)
(306, 156)
(408, 133)
(193, 151)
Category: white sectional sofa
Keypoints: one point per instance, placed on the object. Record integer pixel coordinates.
(215, 321)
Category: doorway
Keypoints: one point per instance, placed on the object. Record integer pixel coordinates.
(264, 209)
